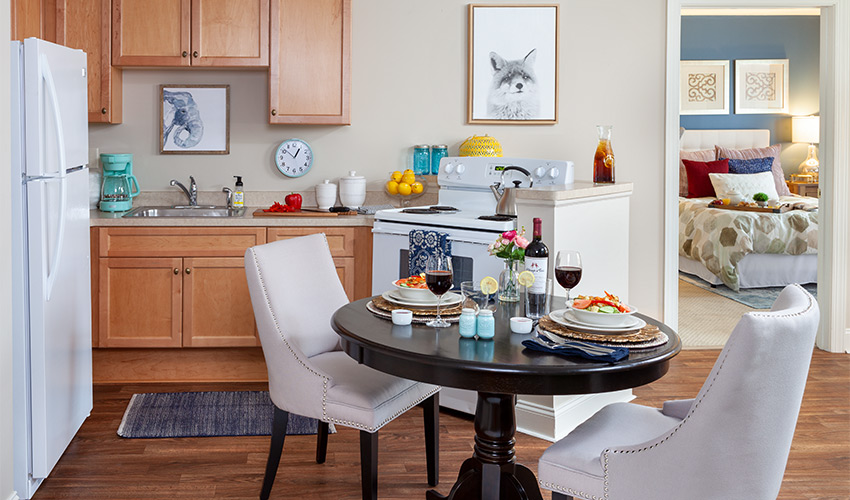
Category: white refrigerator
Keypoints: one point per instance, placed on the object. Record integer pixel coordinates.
(51, 320)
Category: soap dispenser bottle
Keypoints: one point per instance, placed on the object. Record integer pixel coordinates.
(238, 195)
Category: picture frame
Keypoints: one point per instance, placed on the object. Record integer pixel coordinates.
(512, 74)
(761, 86)
(194, 119)
(704, 87)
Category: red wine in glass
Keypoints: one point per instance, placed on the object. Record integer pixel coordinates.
(568, 277)
(439, 282)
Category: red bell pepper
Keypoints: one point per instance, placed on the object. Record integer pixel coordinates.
(293, 200)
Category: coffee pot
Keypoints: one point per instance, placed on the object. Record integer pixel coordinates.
(119, 185)
(506, 196)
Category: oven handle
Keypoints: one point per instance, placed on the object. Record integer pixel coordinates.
(472, 242)
(451, 238)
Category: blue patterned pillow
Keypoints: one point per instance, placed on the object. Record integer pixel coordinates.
(751, 166)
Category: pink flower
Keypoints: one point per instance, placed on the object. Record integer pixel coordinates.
(506, 241)
(509, 235)
(521, 242)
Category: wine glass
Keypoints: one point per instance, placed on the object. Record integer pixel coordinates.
(568, 270)
(438, 278)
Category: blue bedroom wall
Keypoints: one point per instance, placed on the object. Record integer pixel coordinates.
(795, 38)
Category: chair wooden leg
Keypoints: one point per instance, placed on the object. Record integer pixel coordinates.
(281, 419)
(322, 442)
(559, 496)
(369, 464)
(431, 409)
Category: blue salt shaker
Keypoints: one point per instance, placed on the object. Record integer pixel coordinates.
(466, 324)
(486, 324)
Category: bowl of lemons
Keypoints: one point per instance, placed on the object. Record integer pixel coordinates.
(405, 185)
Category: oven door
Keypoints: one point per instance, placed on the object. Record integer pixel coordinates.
(390, 251)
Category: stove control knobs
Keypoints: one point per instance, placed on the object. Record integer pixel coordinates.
(461, 168)
(450, 168)
(554, 173)
(539, 172)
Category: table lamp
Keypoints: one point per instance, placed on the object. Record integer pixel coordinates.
(807, 129)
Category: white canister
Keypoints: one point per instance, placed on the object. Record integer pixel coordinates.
(325, 194)
(352, 190)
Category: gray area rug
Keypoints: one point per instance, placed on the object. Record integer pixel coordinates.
(757, 298)
(205, 414)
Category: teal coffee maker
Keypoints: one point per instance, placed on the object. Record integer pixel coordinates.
(119, 185)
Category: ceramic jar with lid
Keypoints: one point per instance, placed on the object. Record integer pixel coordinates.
(325, 194)
(352, 190)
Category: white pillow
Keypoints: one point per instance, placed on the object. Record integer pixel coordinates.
(745, 185)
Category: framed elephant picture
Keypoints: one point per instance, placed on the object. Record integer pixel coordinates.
(194, 119)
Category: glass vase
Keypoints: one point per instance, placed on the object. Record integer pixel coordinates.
(509, 282)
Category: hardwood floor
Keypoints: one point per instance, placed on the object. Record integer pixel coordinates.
(100, 465)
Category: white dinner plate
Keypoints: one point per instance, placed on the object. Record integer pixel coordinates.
(566, 318)
(449, 299)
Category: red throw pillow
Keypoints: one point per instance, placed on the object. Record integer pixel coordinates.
(699, 185)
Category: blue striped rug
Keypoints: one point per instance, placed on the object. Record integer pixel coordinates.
(205, 414)
(757, 298)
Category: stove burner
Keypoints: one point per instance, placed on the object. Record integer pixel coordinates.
(420, 211)
(497, 218)
(444, 208)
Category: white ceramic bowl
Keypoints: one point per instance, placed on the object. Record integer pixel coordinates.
(416, 294)
(602, 319)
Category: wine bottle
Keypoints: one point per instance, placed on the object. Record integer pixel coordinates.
(537, 261)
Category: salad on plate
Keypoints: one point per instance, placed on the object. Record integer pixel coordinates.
(609, 304)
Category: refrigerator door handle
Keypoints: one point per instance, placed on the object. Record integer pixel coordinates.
(53, 269)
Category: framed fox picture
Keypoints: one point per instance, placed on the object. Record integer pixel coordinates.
(513, 64)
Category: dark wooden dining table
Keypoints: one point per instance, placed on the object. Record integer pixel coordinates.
(498, 369)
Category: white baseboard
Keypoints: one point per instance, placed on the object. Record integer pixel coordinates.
(847, 340)
(553, 417)
(14, 496)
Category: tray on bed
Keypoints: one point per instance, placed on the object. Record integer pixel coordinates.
(770, 210)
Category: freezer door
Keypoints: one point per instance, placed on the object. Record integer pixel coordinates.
(56, 108)
(60, 314)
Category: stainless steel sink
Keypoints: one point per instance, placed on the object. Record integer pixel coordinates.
(186, 211)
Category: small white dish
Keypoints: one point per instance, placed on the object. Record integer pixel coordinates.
(521, 324)
(402, 317)
(449, 299)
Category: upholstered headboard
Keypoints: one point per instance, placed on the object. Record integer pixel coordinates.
(693, 140)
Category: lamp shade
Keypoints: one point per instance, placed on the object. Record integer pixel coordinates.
(805, 129)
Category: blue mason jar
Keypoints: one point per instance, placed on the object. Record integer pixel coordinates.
(486, 324)
(438, 151)
(466, 324)
(422, 159)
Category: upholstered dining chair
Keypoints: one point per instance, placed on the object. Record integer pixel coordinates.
(730, 442)
(295, 290)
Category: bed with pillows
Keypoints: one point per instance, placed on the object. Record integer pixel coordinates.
(742, 249)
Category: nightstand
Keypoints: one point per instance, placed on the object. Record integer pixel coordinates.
(804, 188)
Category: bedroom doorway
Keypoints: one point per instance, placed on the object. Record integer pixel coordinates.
(832, 246)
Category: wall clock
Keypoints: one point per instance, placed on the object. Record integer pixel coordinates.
(293, 158)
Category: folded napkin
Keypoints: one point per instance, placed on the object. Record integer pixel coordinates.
(586, 350)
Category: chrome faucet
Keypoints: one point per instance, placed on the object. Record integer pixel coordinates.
(191, 193)
(229, 193)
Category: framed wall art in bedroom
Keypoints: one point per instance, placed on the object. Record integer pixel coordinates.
(194, 119)
(704, 87)
(513, 64)
(761, 86)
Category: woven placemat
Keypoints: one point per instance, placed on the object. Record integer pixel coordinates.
(385, 305)
(648, 336)
(370, 306)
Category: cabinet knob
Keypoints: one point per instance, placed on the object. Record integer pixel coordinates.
(103, 111)
(274, 112)
(188, 271)
(195, 54)
(185, 53)
(176, 271)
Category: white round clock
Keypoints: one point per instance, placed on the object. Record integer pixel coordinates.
(293, 158)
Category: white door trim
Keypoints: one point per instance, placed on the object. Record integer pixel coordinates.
(835, 178)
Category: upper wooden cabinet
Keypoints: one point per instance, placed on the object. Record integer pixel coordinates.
(85, 25)
(27, 19)
(221, 33)
(309, 77)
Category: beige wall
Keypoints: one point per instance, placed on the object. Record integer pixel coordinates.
(6, 486)
(409, 86)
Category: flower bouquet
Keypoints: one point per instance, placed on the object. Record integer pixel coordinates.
(509, 246)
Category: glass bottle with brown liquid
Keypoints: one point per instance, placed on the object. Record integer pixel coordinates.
(603, 160)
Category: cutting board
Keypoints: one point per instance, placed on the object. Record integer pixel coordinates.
(775, 210)
(260, 213)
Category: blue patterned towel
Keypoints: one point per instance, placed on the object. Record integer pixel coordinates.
(423, 244)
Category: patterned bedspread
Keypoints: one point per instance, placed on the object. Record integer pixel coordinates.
(719, 239)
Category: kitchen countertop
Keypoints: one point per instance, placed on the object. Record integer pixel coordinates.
(98, 218)
(577, 190)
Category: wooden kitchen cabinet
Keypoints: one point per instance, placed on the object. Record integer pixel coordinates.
(206, 33)
(309, 67)
(26, 19)
(86, 25)
(174, 287)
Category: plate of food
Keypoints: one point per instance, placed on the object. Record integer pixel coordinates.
(566, 318)
(606, 310)
(449, 299)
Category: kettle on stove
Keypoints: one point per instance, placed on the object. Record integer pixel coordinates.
(506, 196)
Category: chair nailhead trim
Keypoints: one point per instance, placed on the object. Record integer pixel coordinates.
(696, 403)
(570, 491)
